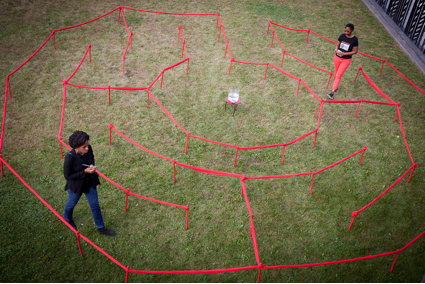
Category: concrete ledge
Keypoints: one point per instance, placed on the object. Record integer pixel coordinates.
(417, 56)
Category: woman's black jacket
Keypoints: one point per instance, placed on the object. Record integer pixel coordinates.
(76, 179)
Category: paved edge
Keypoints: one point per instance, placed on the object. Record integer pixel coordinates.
(406, 44)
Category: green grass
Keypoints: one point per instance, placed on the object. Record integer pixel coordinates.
(292, 226)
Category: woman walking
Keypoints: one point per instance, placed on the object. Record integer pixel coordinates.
(80, 173)
(347, 46)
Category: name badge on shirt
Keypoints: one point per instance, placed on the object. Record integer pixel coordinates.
(344, 46)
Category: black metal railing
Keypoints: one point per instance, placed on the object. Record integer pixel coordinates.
(409, 15)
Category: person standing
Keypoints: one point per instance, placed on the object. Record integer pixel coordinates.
(347, 46)
(80, 173)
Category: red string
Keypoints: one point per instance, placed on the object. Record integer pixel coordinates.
(365, 148)
(79, 65)
(412, 172)
(110, 134)
(79, 244)
(311, 188)
(174, 170)
(259, 274)
(187, 216)
(383, 193)
(355, 79)
(395, 257)
(283, 153)
(8, 86)
(330, 76)
(252, 229)
(382, 68)
(60, 144)
(109, 95)
(317, 111)
(187, 143)
(1, 165)
(236, 157)
(358, 109)
(298, 89)
(383, 60)
(126, 199)
(63, 109)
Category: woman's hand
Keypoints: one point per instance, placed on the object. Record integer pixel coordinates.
(90, 170)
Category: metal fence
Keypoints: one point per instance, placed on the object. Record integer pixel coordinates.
(409, 15)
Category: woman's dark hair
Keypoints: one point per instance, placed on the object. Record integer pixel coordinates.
(78, 138)
(350, 25)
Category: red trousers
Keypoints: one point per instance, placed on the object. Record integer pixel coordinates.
(341, 65)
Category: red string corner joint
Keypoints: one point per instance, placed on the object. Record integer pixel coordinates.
(110, 125)
(398, 104)
(180, 27)
(365, 147)
(64, 82)
(89, 45)
(360, 68)
(354, 213)
(186, 207)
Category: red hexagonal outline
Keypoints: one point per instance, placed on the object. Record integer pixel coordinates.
(242, 177)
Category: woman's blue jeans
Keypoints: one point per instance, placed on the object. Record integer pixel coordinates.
(93, 202)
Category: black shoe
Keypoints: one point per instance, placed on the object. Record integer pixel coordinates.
(106, 231)
(72, 223)
(331, 96)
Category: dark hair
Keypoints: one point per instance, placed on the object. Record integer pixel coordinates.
(78, 138)
(350, 25)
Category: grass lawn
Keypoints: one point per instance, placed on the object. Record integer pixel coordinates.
(292, 226)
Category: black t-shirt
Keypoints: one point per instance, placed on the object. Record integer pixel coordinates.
(347, 44)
